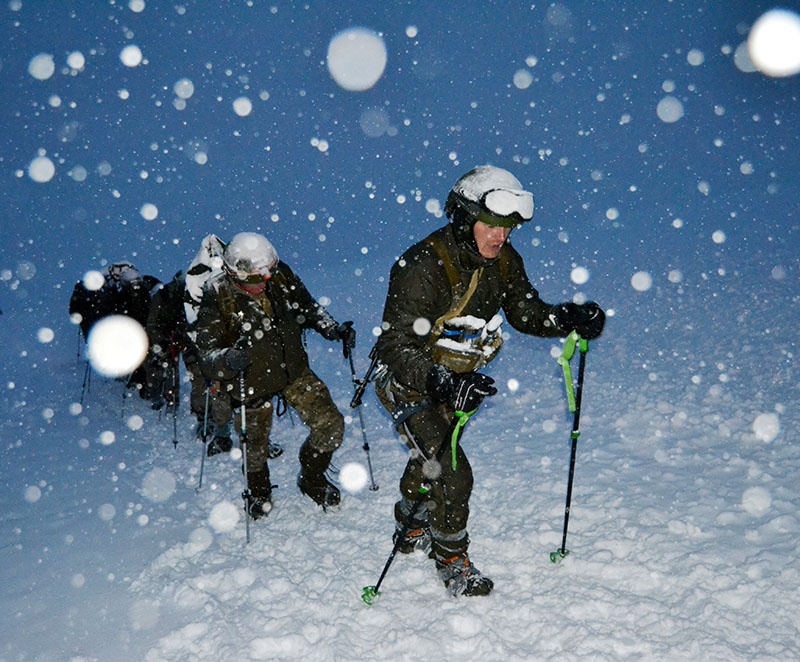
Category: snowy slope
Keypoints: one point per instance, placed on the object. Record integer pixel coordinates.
(683, 534)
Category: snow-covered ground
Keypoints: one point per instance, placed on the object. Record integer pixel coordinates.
(683, 535)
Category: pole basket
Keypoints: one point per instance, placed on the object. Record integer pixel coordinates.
(558, 556)
(369, 594)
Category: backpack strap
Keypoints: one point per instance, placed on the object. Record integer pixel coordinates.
(459, 303)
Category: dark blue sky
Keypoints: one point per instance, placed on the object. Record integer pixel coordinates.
(584, 136)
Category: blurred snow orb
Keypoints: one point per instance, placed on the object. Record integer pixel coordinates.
(131, 56)
(756, 501)
(774, 43)
(224, 517)
(200, 539)
(135, 422)
(353, 477)
(718, 237)
(41, 169)
(26, 270)
(356, 59)
(741, 58)
(76, 61)
(422, 326)
(242, 106)
(93, 280)
(669, 109)
(695, 57)
(136, 6)
(42, 66)
(149, 211)
(116, 345)
(522, 79)
(641, 281)
(107, 512)
(158, 485)
(512, 385)
(184, 88)
(374, 122)
(767, 427)
(78, 173)
(579, 275)
(45, 335)
(32, 494)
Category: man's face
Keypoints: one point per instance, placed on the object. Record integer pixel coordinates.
(489, 238)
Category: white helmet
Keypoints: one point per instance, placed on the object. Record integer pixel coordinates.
(492, 195)
(250, 254)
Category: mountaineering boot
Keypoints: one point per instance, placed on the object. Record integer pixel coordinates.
(312, 480)
(259, 502)
(453, 566)
(460, 577)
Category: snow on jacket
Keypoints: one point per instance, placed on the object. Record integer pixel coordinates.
(420, 292)
(269, 327)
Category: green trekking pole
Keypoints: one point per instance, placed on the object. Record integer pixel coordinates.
(370, 593)
(574, 401)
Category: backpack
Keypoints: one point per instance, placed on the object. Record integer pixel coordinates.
(207, 263)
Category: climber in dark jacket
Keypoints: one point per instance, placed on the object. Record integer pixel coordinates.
(440, 327)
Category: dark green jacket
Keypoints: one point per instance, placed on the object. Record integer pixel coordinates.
(268, 327)
(419, 289)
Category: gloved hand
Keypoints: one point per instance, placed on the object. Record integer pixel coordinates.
(462, 391)
(347, 334)
(236, 359)
(588, 319)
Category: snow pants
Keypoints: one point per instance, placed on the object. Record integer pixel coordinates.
(446, 507)
(312, 401)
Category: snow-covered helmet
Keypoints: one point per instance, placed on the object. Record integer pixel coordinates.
(250, 257)
(491, 195)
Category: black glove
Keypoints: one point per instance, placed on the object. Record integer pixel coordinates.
(347, 334)
(587, 319)
(236, 359)
(462, 391)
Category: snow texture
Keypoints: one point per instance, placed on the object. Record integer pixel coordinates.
(664, 166)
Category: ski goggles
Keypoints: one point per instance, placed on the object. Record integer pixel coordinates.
(251, 278)
(505, 208)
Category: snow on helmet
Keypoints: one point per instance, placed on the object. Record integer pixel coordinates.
(208, 262)
(250, 256)
(491, 195)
